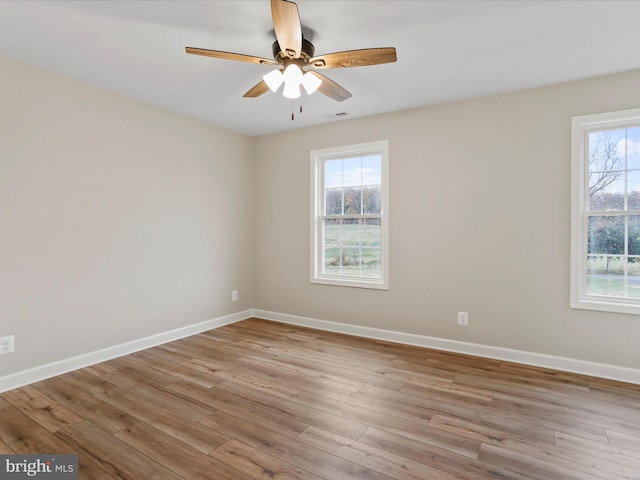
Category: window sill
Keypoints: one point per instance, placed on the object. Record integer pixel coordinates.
(605, 305)
(338, 282)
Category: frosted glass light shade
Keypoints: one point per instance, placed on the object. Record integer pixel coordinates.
(291, 90)
(273, 79)
(292, 75)
(310, 82)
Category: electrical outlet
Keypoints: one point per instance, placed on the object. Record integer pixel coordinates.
(7, 344)
(463, 318)
(234, 296)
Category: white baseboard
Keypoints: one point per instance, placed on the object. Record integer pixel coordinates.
(43, 372)
(601, 370)
(583, 367)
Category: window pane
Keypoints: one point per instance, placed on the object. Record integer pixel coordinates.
(606, 191)
(333, 201)
(352, 172)
(371, 200)
(353, 201)
(633, 235)
(331, 234)
(371, 262)
(603, 150)
(372, 170)
(605, 276)
(633, 190)
(371, 233)
(633, 147)
(350, 261)
(331, 260)
(332, 173)
(633, 279)
(606, 235)
(351, 232)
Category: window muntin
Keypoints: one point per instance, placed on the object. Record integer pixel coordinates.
(606, 212)
(349, 224)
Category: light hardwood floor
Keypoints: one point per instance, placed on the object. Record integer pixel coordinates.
(262, 400)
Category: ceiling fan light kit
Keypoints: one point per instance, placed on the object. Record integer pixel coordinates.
(294, 57)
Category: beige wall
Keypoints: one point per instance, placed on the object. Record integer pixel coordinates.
(480, 222)
(118, 220)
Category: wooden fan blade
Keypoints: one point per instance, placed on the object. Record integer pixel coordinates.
(286, 24)
(230, 56)
(331, 89)
(260, 88)
(355, 58)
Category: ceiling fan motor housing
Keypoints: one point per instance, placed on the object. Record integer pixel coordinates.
(308, 50)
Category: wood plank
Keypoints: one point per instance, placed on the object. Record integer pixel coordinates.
(259, 465)
(4, 449)
(575, 418)
(624, 440)
(451, 389)
(590, 448)
(483, 433)
(201, 346)
(101, 368)
(529, 466)
(183, 371)
(302, 411)
(336, 367)
(499, 383)
(175, 455)
(379, 460)
(296, 377)
(291, 451)
(88, 379)
(460, 466)
(159, 395)
(319, 377)
(4, 404)
(84, 405)
(221, 400)
(516, 409)
(257, 383)
(599, 413)
(140, 372)
(427, 403)
(549, 452)
(112, 455)
(48, 413)
(416, 428)
(165, 420)
(25, 436)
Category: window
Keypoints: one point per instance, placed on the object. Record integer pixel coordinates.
(605, 234)
(349, 218)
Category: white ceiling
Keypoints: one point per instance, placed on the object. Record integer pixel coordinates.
(447, 50)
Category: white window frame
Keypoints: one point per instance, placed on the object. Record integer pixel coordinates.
(318, 157)
(581, 127)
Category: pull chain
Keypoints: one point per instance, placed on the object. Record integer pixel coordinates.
(293, 116)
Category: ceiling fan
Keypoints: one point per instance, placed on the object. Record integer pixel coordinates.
(295, 61)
